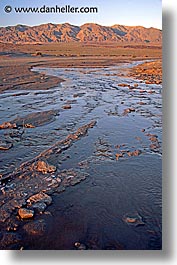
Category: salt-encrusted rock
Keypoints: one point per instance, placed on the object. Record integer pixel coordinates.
(40, 206)
(44, 167)
(8, 125)
(25, 213)
(40, 197)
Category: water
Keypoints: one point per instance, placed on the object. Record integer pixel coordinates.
(94, 211)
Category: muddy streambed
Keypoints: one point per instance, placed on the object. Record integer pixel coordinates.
(98, 135)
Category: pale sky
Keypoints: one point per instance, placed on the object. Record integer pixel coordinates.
(147, 13)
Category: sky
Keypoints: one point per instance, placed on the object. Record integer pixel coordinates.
(147, 13)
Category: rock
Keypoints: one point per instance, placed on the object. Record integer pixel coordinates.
(35, 228)
(154, 147)
(44, 167)
(131, 109)
(8, 125)
(135, 85)
(118, 155)
(53, 183)
(68, 106)
(29, 186)
(80, 246)
(29, 125)
(38, 54)
(40, 197)
(128, 110)
(153, 139)
(141, 103)
(148, 82)
(123, 85)
(25, 213)
(134, 153)
(133, 219)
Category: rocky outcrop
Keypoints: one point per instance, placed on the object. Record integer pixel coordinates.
(31, 182)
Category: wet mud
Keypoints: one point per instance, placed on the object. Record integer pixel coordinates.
(80, 164)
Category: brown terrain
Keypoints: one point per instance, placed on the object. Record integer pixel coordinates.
(150, 72)
(28, 189)
(17, 60)
(52, 33)
(23, 47)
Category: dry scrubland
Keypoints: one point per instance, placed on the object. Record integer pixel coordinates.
(17, 60)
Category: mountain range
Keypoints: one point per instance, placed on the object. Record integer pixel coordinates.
(89, 32)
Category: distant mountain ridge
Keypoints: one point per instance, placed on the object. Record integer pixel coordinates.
(89, 32)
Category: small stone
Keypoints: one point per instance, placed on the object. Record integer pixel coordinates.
(29, 125)
(153, 139)
(123, 85)
(134, 153)
(68, 106)
(154, 147)
(130, 220)
(141, 103)
(133, 219)
(53, 183)
(128, 110)
(131, 109)
(25, 213)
